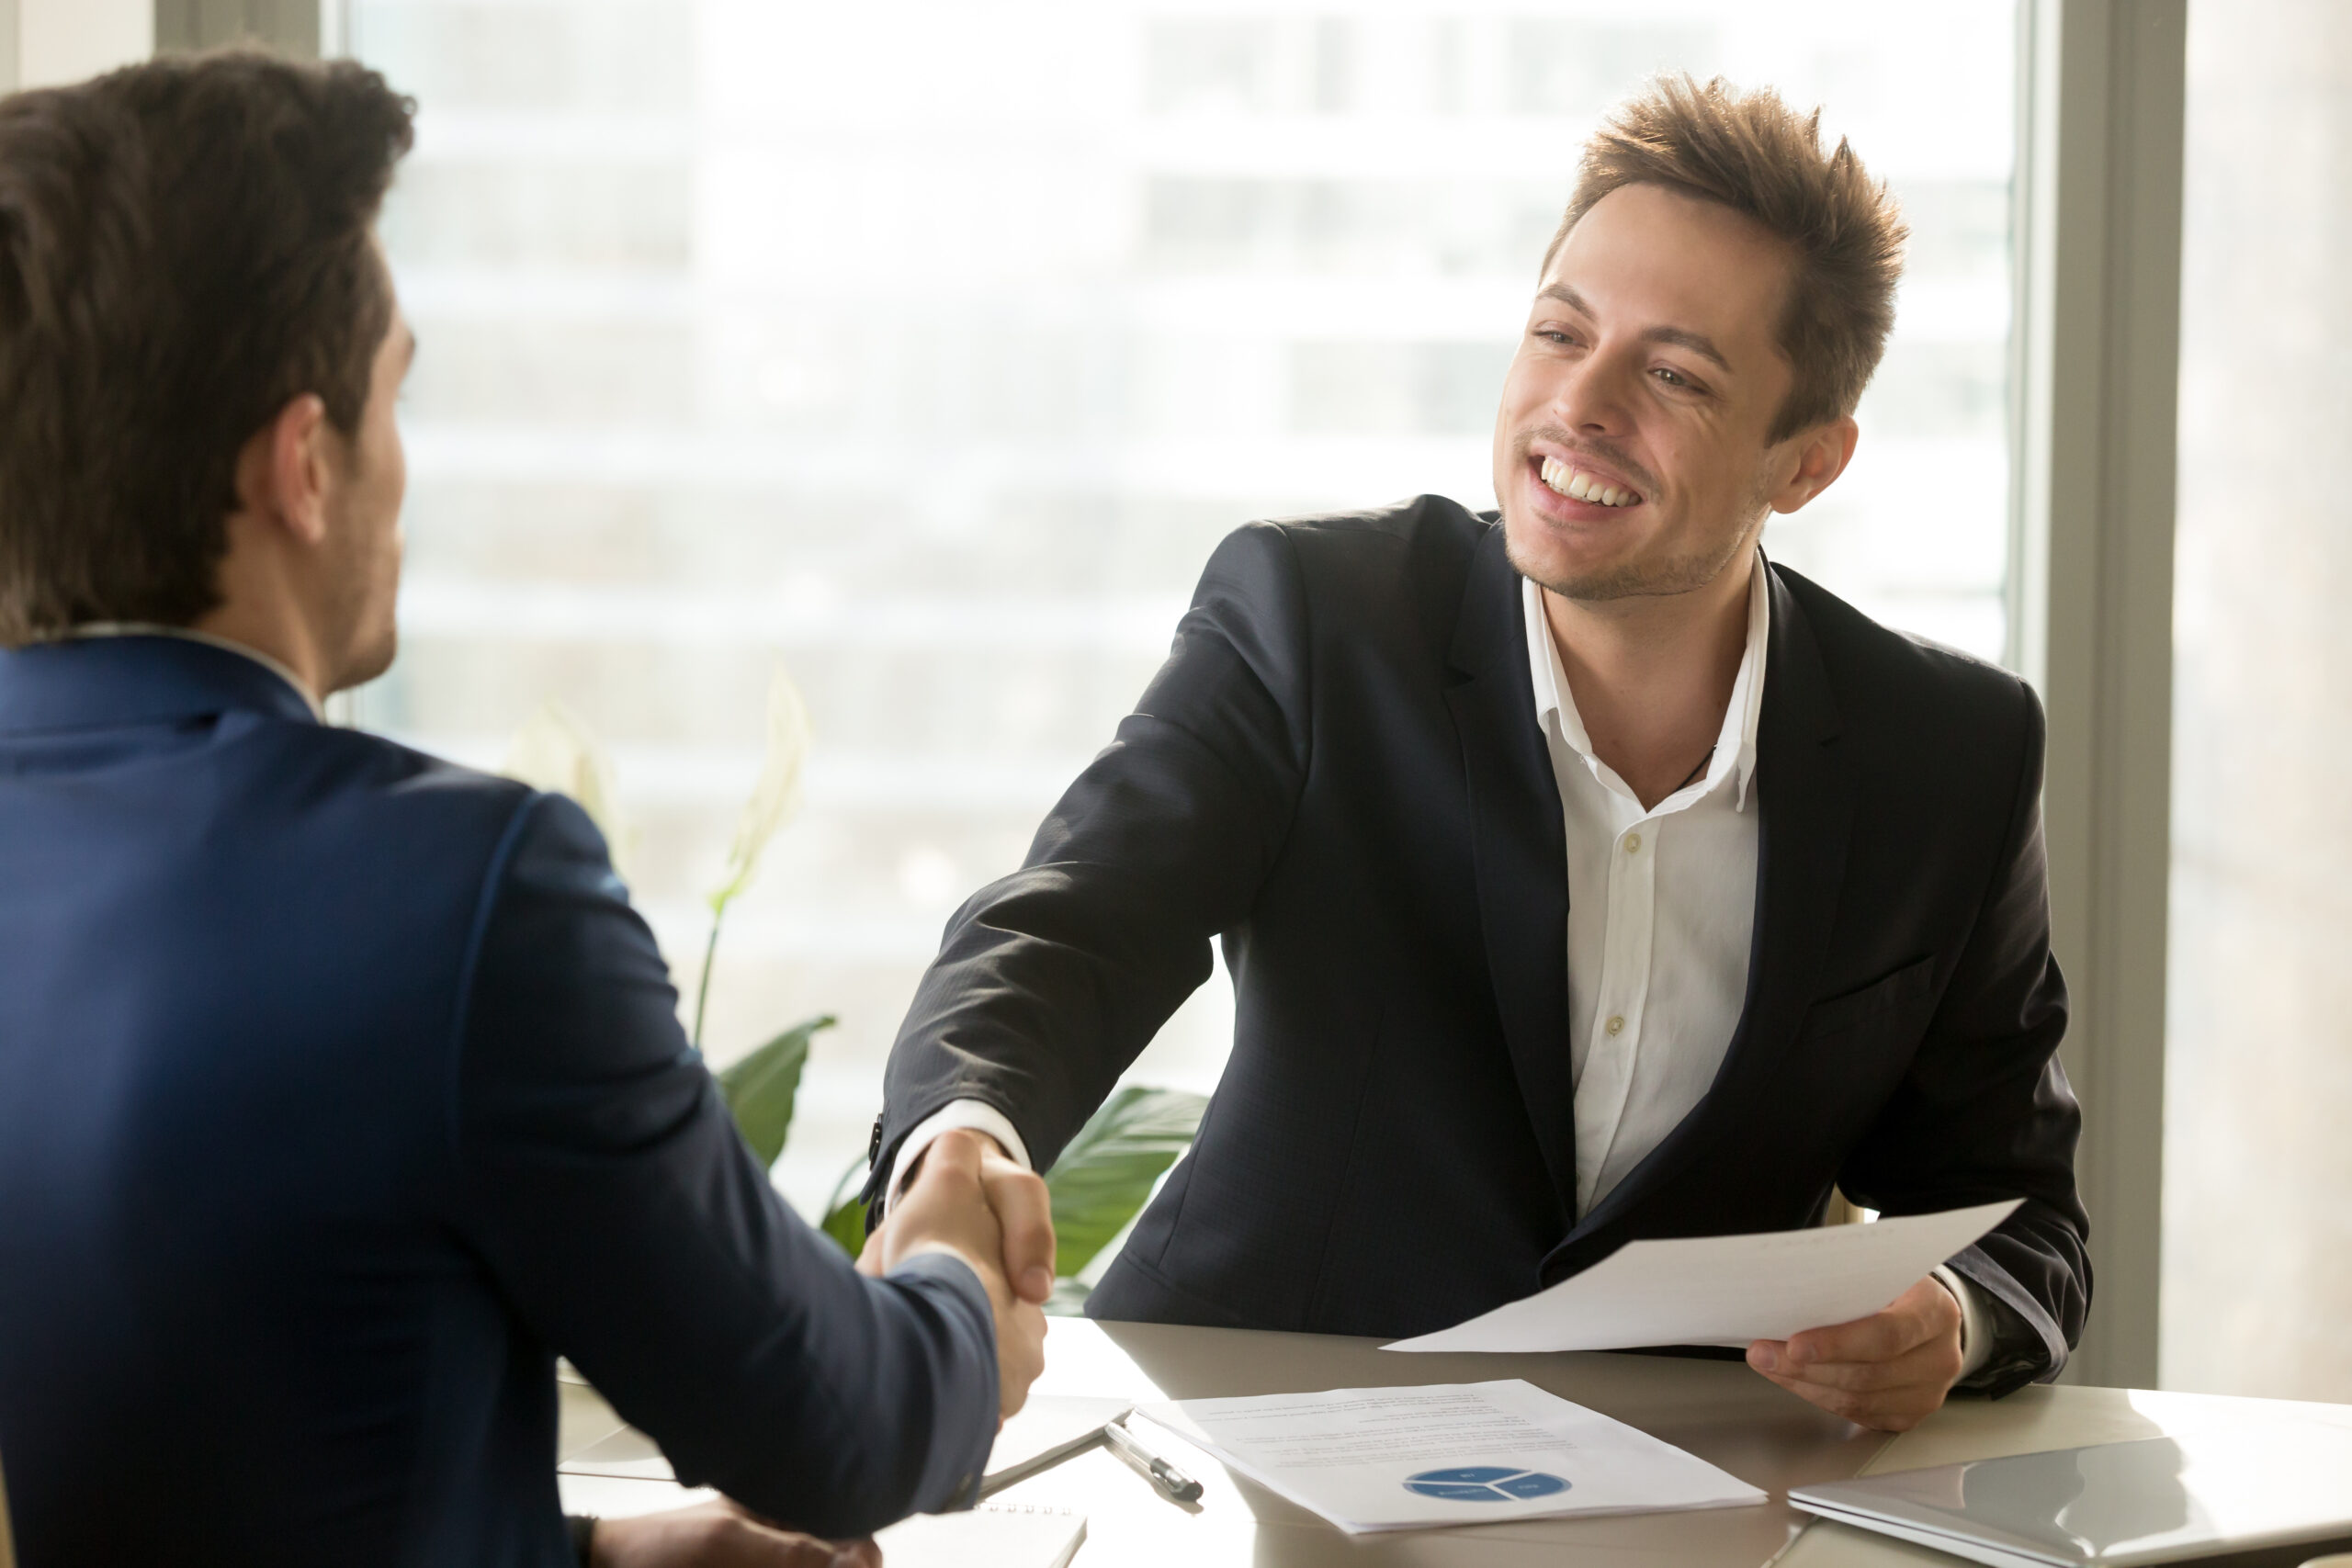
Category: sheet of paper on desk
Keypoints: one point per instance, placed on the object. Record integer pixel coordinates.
(1386, 1458)
(1725, 1289)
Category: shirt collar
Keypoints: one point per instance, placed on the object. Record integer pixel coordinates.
(1735, 754)
(186, 634)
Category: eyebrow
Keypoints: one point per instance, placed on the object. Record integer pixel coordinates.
(1696, 342)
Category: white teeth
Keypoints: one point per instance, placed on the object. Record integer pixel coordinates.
(1569, 482)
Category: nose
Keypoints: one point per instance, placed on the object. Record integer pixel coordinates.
(1593, 395)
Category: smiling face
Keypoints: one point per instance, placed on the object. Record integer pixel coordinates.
(1631, 450)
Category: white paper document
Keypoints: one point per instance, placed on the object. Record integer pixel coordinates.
(1386, 1458)
(1725, 1289)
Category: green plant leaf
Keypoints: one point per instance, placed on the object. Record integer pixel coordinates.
(845, 1210)
(1105, 1173)
(846, 1224)
(759, 1090)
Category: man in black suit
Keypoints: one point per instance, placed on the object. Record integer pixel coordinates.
(1583, 876)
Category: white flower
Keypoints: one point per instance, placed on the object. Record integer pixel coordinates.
(778, 793)
(554, 751)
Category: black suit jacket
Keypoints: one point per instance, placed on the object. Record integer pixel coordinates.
(1339, 770)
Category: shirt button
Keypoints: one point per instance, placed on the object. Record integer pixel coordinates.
(1617, 1025)
(1633, 843)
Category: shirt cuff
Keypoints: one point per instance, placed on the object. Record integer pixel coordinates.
(1975, 1323)
(977, 1115)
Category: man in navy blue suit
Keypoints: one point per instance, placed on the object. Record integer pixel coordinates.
(340, 1088)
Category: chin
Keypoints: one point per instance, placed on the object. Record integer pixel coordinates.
(369, 660)
(1581, 564)
(1545, 556)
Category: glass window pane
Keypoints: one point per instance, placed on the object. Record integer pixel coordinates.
(930, 347)
(2257, 1237)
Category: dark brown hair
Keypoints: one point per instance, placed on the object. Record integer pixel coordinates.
(186, 246)
(1753, 153)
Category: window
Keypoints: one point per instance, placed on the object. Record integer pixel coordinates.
(930, 347)
(2257, 1276)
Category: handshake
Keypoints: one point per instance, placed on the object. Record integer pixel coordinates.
(965, 1199)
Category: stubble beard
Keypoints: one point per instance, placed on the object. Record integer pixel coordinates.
(1684, 573)
(1644, 579)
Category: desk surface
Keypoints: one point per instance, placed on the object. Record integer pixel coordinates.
(1718, 1410)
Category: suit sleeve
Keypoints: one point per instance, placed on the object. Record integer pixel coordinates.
(1050, 981)
(1986, 1112)
(599, 1177)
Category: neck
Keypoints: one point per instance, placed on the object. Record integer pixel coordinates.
(1651, 676)
(264, 609)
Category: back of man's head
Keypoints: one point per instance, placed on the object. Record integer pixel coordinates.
(186, 246)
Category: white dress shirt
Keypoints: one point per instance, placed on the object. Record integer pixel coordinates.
(1661, 911)
(1661, 918)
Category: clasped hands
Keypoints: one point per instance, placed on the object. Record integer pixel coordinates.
(965, 1199)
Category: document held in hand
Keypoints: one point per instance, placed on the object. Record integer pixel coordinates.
(1725, 1289)
(1385, 1458)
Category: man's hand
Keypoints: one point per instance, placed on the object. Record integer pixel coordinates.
(1023, 1210)
(1890, 1370)
(718, 1535)
(967, 1200)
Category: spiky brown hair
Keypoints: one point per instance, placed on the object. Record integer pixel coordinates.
(1753, 153)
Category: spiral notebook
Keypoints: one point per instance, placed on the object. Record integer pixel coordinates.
(994, 1535)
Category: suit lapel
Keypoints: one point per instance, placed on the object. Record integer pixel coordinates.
(1520, 851)
(1805, 787)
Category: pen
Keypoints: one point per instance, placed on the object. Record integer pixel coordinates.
(1172, 1482)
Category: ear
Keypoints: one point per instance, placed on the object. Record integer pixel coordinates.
(284, 470)
(1822, 454)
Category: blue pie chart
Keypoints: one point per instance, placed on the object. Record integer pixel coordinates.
(1486, 1483)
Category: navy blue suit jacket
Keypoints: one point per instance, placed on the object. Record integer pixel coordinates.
(341, 1089)
(1338, 772)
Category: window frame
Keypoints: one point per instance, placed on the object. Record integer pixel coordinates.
(2095, 420)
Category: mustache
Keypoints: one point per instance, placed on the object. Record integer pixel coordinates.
(1607, 452)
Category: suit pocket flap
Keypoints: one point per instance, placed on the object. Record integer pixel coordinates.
(1839, 1013)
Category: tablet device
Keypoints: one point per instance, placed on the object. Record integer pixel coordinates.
(2226, 1492)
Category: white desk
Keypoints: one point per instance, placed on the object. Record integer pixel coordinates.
(1718, 1410)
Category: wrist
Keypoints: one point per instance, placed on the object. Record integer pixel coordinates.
(971, 1115)
(991, 1280)
(1976, 1335)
